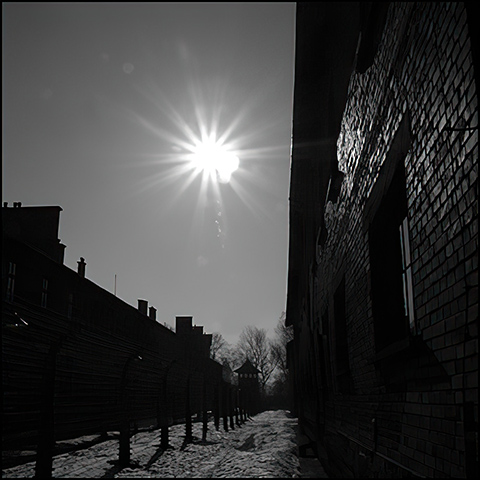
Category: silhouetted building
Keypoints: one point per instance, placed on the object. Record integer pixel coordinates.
(36, 227)
(383, 255)
(249, 386)
(75, 356)
(196, 342)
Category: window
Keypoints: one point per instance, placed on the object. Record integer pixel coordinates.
(44, 293)
(391, 275)
(407, 275)
(386, 222)
(11, 281)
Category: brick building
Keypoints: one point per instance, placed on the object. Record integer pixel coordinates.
(383, 259)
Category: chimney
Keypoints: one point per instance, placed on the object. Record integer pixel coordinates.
(183, 324)
(81, 267)
(143, 306)
(152, 313)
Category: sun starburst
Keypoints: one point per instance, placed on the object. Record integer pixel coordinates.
(205, 146)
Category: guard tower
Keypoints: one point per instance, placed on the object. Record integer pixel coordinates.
(249, 387)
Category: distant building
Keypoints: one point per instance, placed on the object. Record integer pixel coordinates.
(196, 342)
(249, 386)
(383, 255)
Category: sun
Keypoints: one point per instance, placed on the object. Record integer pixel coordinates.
(213, 159)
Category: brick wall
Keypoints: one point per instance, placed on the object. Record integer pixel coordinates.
(412, 406)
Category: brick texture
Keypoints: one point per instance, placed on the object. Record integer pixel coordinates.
(412, 412)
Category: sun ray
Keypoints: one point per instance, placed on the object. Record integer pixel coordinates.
(213, 149)
(256, 209)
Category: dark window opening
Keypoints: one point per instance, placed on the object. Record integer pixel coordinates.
(391, 281)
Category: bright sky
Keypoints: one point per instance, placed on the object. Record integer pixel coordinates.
(132, 117)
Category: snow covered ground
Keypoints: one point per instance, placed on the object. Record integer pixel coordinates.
(264, 446)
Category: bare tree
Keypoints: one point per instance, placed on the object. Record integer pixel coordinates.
(281, 390)
(220, 349)
(218, 343)
(254, 345)
(283, 335)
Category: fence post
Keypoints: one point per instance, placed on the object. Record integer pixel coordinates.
(164, 437)
(166, 422)
(216, 407)
(163, 416)
(240, 404)
(46, 437)
(232, 423)
(188, 414)
(244, 397)
(205, 414)
(124, 446)
(237, 407)
(244, 408)
(124, 442)
(225, 406)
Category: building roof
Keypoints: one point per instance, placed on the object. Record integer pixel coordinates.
(247, 367)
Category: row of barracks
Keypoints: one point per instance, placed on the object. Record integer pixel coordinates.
(383, 254)
(78, 360)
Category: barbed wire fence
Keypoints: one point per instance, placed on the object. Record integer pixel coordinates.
(63, 379)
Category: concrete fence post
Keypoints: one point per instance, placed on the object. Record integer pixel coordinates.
(241, 406)
(225, 406)
(237, 407)
(205, 412)
(216, 406)
(164, 415)
(46, 437)
(188, 415)
(124, 442)
(231, 409)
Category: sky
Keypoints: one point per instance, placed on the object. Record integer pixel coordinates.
(163, 130)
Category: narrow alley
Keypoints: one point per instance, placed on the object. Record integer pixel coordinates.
(263, 447)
